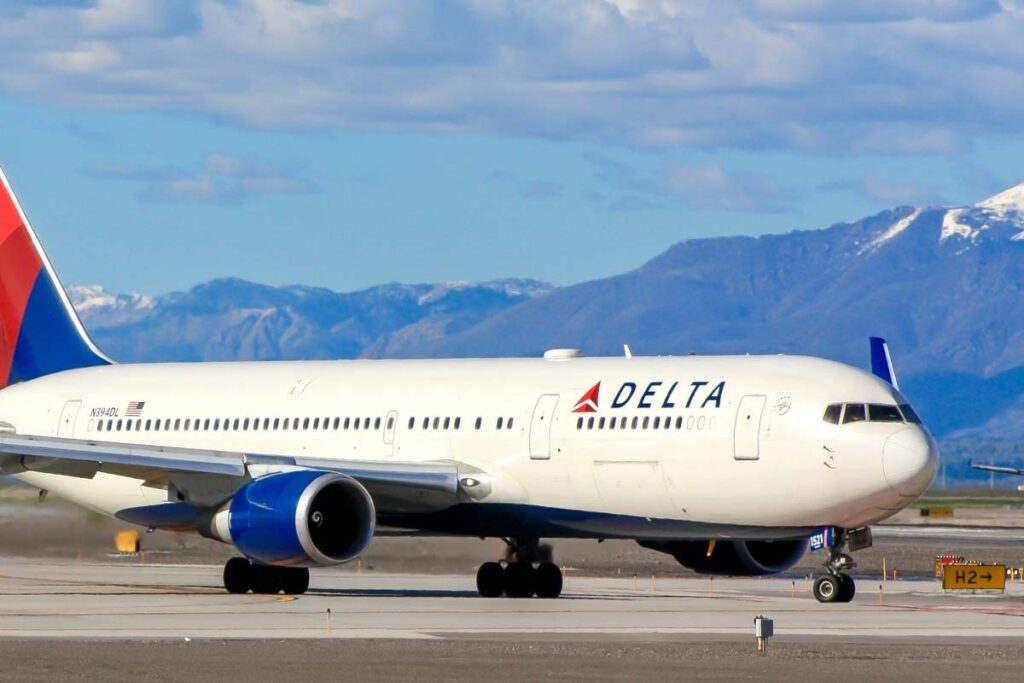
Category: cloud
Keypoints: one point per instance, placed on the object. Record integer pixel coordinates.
(709, 186)
(903, 76)
(527, 189)
(888, 193)
(704, 185)
(220, 178)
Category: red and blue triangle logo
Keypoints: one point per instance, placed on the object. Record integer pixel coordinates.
(588, 402)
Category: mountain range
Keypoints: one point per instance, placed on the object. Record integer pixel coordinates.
(943, 284)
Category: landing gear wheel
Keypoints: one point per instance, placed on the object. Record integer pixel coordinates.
(847, 588)
(490, 580)
(266, 580)
(548, 580)
(828, 588)
(238, 575)
(294, 580)
(520, 580)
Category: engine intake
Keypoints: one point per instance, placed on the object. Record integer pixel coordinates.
(733, 558)
(304, 517)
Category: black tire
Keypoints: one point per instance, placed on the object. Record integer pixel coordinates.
(294, 580)
(548, 580)
(828, 588)
(520, 580)
(490, 580)
(847, 588)
(237, 575)
(266, 580)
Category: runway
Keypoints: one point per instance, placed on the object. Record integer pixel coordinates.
(127, 600)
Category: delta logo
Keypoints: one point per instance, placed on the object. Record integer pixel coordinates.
(698, 394)
(588, 402)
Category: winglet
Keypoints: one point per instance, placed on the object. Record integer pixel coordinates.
(881, 362)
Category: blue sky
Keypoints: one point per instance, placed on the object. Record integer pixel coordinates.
(345, 143)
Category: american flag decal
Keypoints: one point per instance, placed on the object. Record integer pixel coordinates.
(135, 408)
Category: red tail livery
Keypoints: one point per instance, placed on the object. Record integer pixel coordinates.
(40, 333)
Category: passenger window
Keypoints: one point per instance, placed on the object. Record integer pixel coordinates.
(832, 413)
(391, 422)
(679, 422)
(376, 423)
(579, 423)
(479, 423)
(657, 422)
(99, 426)
(647, 421)
(854, 413)
(636, 421)
(458, 422)
(412, 422)
(149, 423)
(510, 423)
(305, 423)
(447, 422)
(501, 421)
(909, 415)
(600, 423)
(337, 421)
(316, 423)
(883, 413)
(590, 423)
(355, 424)
(611, 423)
(437, 422)
(177, 423)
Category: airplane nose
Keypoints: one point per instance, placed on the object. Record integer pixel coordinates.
(909, 461)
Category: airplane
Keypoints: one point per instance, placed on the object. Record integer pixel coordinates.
(732, 465)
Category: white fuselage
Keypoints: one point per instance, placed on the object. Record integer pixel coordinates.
(760, 466)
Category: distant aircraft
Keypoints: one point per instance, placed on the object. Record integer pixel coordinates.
(730, 464)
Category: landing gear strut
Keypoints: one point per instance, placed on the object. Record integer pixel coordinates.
(242, 576)
(527, 570)
(836, 585)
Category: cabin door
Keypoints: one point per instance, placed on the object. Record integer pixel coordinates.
(747, 435)
(68, 416)
(540, 427)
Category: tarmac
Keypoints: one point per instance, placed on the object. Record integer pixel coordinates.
(129, 599)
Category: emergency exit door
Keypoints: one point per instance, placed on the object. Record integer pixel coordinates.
(540, 427)
(747, 435)
(68, 416)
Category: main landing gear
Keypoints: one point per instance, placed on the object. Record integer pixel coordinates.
(242, 576)
(836, 585)
(526, 571)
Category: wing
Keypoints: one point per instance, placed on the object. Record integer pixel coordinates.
(396, 487)
(1003, 469)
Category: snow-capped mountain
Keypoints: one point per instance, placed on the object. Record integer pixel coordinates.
(944, 285)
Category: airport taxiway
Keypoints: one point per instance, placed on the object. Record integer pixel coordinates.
(127, 599)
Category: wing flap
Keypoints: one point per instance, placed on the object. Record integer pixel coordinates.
(396, 487)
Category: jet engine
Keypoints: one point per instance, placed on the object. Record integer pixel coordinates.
(733, 558)
(296, 518)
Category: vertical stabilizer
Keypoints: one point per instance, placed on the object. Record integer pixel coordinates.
(40, 333)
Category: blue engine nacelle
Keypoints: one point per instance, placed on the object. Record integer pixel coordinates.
(301, 517)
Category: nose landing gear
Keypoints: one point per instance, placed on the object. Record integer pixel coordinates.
(527, 570)
(836, 585)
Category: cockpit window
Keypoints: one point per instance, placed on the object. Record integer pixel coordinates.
(872, 412)
(854, 413)
(909, 415)
(883, 413)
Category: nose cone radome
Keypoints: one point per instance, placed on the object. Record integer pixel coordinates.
(910, 459)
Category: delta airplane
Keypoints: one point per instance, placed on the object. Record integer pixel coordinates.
(730, 464)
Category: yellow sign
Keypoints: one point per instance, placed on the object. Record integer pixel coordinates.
(984, 577)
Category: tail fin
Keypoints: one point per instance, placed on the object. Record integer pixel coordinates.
(40, 333)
